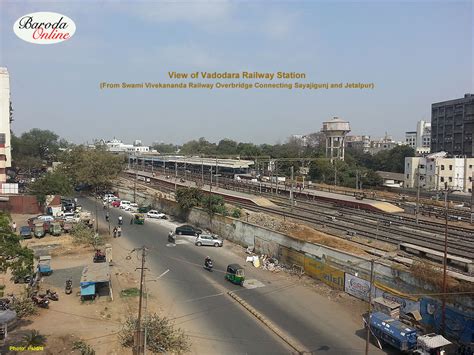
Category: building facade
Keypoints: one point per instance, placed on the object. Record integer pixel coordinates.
(420, 140)
(358, 142)
(452, 126)
(116, 146)
(438, 172)
(5, 136)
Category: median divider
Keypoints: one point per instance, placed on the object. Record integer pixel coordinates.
(293, 343)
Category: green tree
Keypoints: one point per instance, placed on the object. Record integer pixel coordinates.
(188, 197)
(94, 167)
(52, 183)
(213, 204)
(164, 148)
(227, 147)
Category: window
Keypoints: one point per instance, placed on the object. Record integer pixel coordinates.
(442, 167)
(408, 176)
(450, 167)
(450, 179)
(442, 179)
(470, 178)
(470, 166)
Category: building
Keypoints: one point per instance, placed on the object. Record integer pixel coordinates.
(5, 148)
(395, 180)
(437, 171)
(420, 140)
(116, 146)
(385, 143)
(358, 142)
(452, 126)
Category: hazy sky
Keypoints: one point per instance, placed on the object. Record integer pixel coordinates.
(416, 53)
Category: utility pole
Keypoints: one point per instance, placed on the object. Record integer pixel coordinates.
(217, 177)
(445, 261)
(335, 173)
(367, 339)
(138, 346)
(357, 180)
(135, 183)
(202, 172)
(417, 192)
(96, 211)
(291, 191)
(175, 175)
(472, 200)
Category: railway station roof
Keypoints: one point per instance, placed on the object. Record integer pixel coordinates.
(221, 162)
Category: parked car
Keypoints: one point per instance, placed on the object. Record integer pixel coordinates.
(208, 239)
(45, 218)
(187, 230)
(155, 214)
(25, 232)
(132, 207)
(109, 197)
(124, 204)
(116, 203)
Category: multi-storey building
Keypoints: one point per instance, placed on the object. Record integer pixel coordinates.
(452, 126)
(438, 172)
(419, 140)
(5, 148)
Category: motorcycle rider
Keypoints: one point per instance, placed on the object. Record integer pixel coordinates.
(207, 262)
(119, 231)
(107, 216)
(120, 220)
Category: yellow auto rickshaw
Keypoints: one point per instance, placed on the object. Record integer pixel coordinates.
(139, 218)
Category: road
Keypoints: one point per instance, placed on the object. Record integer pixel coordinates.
(197, 300)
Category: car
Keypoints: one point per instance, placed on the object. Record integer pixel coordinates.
(25, 232)
(45, 218)
(116, 203)
(155, 214)
(133, 207)
(108, 197)
(208, 239)
(187, 230)
(124, 204)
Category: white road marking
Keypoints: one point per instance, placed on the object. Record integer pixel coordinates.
(200, 298)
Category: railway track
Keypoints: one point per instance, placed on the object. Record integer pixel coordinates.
(458, 245)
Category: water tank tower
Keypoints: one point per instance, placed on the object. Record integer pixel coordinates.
(335, 131)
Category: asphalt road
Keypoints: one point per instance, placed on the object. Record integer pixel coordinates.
(199, 303)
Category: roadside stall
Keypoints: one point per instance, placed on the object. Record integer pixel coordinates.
(95, 281)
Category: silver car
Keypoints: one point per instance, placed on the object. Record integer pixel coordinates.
(208, 239)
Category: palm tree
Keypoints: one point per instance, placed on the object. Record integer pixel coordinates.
(33, 339)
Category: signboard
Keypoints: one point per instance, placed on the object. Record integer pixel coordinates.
(357, 287)
(327, 274)
(406, 304)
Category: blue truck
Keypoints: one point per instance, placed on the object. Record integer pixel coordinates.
(393, 332)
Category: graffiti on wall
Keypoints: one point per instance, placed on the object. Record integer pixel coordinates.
(327, 274)
(357, 287)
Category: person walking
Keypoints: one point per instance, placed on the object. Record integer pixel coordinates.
(14, 226)
(119, 231)
(131, 221)
(115, 232)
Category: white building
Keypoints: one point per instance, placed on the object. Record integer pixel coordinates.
(385, 143)
(437, 172)
(5, 148)
(420, 140)
(116, 146)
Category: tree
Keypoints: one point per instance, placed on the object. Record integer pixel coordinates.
(12, 255)
(227, 147)
(93, 167)
(161, 335)
(213, 204)
(164, 148)
(52, 183)
(188, 197)
(34, 339)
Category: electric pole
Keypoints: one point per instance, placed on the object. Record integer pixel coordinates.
(417, 192)
(138, 343)
(291, 191)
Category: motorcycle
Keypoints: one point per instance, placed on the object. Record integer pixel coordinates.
(42, 302)
(208, 265)
(52, 295)
(68, 289)
(120, 221)
(171, 238)
(4, 304)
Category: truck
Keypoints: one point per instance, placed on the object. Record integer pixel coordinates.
(392, 331)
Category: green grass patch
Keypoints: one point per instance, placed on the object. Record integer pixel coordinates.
(130, 292)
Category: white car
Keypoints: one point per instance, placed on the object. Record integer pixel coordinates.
(133, 207)
(109, 197)
(124, 204)
(45, 218)
(155, 214)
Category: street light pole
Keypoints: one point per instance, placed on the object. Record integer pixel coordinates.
(367, 339)
(445, 261)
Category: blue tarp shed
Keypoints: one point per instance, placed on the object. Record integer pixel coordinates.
(92, 275)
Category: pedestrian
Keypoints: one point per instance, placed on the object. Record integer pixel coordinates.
(14, 226)
(115, 232)
(131, 221)
(119, 231)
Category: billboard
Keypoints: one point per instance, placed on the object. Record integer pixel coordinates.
(357, 287)
(327, 274)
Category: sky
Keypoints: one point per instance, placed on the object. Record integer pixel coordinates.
(415, 52)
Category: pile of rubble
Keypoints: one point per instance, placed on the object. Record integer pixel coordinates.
(270, 263)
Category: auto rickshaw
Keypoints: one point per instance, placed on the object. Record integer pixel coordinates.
(139, 218)
(39, 230)
(55, 228)
(235, 274)
(44, 265)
